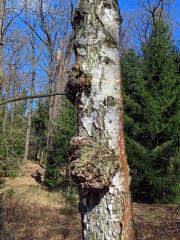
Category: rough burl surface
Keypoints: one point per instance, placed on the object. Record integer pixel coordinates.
(91, 165)
(78, 82)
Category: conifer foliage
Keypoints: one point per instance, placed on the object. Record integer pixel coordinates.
(152, 117)
(66, 128)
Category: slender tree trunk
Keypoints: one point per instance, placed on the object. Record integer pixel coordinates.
(5, 117)
(58, 86)
(1, 69)
(14, 89)
(50, 125)
(28, 132)
(97, 158)
(29, 120)
(2, 9)
(55, 101)
(12, 112)
(50, 132)
(55, 86)
(62, 69)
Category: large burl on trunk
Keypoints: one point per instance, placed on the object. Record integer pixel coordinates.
(97, 159)
(92, 165)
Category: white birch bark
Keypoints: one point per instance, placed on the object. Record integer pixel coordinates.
(95, 86)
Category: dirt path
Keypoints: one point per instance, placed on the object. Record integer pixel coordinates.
(30, 169)
(30, 212)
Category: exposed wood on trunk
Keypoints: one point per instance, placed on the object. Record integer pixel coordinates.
(58, 86)
(95, 86)
(63, 61)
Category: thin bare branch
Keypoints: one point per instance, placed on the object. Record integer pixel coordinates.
(11, 20)
(31, 97)
(32, 29)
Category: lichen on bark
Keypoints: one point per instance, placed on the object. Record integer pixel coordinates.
(105, 202)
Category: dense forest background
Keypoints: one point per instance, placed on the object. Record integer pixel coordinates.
(35, 58)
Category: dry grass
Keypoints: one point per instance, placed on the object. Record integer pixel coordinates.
(32, 221)
(30, 212)
(25, 179)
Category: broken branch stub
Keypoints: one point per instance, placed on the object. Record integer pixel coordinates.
(92, 165)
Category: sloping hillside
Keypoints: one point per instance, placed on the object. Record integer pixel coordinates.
(30, 212)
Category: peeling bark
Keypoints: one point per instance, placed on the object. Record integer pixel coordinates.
(95, 86)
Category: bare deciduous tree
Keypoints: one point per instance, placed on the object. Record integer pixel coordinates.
(33, 79)
(53, 32)
(8, 13)
(150, 11)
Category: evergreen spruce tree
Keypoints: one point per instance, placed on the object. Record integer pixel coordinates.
(39, 130)
(152, 117)
(66, 129)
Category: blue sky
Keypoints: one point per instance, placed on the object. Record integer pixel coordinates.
(127, 4)
(132, 5)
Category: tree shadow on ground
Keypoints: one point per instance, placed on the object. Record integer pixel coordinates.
(37, 176)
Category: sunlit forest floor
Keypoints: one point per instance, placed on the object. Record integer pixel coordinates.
(28, 211)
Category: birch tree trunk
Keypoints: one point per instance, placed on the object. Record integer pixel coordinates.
(97, 158)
